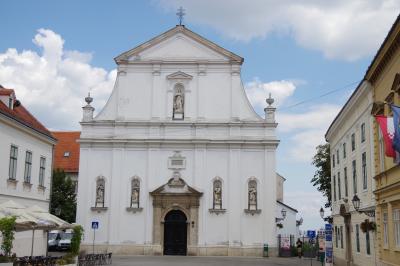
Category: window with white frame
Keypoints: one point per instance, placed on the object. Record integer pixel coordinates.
(337, 156)
(353, 142)
(12, 168)
(334, 188)
(346, 183)
(333, 160)
(339, 186)
(362, 132)
(42, 170)
(28, 167)
(358, 237)
(344, 150)
(341, 236)
(396, 226)
(364, 170)
(385, 229)
(354, 169)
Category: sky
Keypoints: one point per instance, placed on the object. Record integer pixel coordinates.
(53, 52)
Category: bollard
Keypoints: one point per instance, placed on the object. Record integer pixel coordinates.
(265, 253)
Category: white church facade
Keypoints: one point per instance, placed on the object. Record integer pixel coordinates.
(178, 162)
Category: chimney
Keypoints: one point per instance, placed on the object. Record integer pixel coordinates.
(269, 110)
(88, 109)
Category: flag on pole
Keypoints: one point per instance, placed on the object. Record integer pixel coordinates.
(387, 129)
(396, 125)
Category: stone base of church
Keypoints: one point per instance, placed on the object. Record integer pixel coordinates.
(156, 250)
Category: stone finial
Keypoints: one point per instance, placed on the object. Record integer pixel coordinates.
(270, 110)
(88, 109)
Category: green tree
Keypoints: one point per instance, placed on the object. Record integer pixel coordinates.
(63, 196)
(7, 225)
(322, 176)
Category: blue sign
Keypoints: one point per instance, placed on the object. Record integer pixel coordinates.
(328, 237)
(311, 233)
(95, 225)
(328, 227)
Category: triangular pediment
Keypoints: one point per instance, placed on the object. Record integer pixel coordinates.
(175, 187)
(179, 75)
(178, 44)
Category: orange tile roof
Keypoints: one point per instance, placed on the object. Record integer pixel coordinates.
(67, 142)
(20, 114)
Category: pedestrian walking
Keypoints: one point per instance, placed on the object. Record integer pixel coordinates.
(299, 245)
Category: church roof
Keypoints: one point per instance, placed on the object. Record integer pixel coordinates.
(123, 58)
(66, 152)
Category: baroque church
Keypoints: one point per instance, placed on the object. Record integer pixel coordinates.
(178, 162)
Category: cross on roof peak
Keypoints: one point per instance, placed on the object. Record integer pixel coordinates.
(180, 14)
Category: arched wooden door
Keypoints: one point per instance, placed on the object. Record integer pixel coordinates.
(175, 233)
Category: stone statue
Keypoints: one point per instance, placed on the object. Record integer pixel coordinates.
(178, 104)
(100, 193)
(217, 196)
(252, 196)
(135, 196)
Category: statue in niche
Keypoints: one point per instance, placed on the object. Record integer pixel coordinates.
(100, 193)
(217, 195)
(135, 193)
(178, 104)
(179, 101)
(252, 195)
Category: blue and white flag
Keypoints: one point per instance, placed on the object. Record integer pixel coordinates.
(396, 124)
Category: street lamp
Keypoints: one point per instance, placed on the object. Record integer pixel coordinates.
(356, 202)
(283, 212)
(321, 213)
(57, 211)
(370, 212)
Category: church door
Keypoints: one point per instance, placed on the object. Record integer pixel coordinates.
(175, 233)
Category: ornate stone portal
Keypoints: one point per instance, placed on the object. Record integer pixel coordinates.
(176, 195)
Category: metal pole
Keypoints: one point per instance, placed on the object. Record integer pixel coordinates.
(33, 238)
(94, 236)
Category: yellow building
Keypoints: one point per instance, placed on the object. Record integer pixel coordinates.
(384, 76)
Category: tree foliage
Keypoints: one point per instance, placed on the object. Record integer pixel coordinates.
(322, 176)
(63, 196)
(76, 239)
(7, 227)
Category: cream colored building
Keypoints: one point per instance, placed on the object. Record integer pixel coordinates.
(384, 75)
(352, 171)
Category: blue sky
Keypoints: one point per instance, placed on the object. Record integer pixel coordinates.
(297, 50)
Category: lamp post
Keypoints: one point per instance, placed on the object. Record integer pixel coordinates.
(57, 211)
(283, 212)
(356, 203)
(321, 213)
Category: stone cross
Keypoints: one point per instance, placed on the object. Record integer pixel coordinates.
(180, 14)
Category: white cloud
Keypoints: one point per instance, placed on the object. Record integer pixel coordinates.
(339, 29)
(53, 84)
(258, 91)
(306, 130)
(308, 205)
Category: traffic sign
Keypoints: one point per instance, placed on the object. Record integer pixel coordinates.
(95, 225)
(311, 233)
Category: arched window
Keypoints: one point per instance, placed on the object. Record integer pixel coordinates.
(217, 194)
(100, 189)
(252, 195)
(135, 193)
(178, 102)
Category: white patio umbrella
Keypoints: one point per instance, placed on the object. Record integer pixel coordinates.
(33, 218)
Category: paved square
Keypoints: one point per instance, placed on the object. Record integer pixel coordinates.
(211, 261)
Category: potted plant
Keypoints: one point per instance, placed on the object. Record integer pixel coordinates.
(367, 226)
(7, 227)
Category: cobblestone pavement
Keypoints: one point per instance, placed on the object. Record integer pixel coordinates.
(210, 261)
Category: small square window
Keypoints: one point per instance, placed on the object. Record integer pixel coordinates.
(66, 154)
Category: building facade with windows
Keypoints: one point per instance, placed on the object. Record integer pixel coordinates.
(26, 152)
(178, 162)
(350, 138)
(384, 75)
